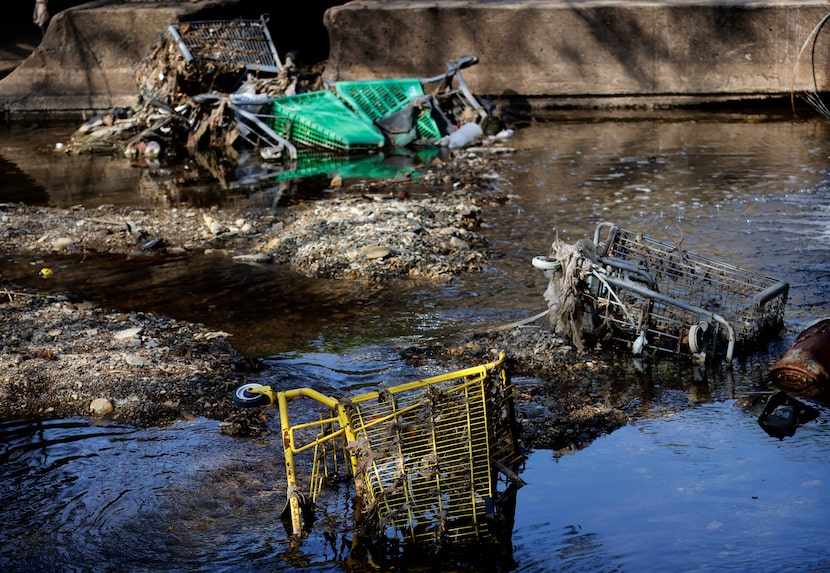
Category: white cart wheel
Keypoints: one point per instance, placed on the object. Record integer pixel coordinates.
(243, 397)
(546, 263)
(697, 337)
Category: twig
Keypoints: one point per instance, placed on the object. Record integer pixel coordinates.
(12, 294)
(522, 322)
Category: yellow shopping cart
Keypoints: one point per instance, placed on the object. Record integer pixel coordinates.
(430, 459)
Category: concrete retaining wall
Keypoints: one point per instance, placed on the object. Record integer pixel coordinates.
(570, 52)
(587, 52)
(85, 61)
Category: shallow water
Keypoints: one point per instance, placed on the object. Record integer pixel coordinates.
(700, 490)
(694, 488)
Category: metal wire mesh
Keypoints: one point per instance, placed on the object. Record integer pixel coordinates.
(752, 303)
(192, 58)
(236, 42)
(425, 456)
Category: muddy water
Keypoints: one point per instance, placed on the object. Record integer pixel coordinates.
(698, 489)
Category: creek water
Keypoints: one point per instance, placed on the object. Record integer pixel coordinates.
(697, 488)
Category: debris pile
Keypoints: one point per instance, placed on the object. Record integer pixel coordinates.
(206, 57)
(221, 86)
(567, 311)
(66, 357)
(189, 83)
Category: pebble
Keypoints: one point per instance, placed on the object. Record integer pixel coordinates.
(135, 360)
(100, 407)
(459, 243)
(127, 333)
(375, 252)
(62, 243)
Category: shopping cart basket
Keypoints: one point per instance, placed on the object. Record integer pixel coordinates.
(375, 100)
(319, 120)
(650, 294)
(206, 56)
(427, 457)
(440, 103)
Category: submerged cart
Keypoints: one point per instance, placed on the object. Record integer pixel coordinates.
(368, 115)
(653, 296)
(431, 460)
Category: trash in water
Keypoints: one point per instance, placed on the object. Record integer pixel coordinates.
(783, 414)
(805, 367)
(624, 287)
(221, 86)
(433, 461)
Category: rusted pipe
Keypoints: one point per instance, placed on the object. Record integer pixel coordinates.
(805, 368)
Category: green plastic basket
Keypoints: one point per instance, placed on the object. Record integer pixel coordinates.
(373, 100)
(319, 120)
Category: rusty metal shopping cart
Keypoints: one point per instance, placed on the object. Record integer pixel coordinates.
(430, 459)
(205, 57)
(652, 295)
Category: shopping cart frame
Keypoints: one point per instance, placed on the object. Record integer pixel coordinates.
(417, 478)
(650, 293)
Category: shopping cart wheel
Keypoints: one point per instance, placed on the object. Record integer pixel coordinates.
(697, 337)
(243, 396)
(546, 263)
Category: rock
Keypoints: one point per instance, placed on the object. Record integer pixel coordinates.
(100, 407)
(62, 243)
(375, 252)
(127, 333)
(457, 243)
(783, 414)
(135, 360)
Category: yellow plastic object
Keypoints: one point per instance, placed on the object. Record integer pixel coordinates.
(425, 456)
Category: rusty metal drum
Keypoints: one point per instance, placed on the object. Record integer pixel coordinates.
(805, 367)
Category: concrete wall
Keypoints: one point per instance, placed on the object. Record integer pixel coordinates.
(571, 52)
(85, 61)
(587, 52)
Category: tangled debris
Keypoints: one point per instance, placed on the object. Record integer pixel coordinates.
(565, 287)
(71, 358)
(221, 87)
(184, 84)
(366, 232)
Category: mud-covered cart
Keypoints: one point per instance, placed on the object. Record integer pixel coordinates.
(431, 460)
(658, 297)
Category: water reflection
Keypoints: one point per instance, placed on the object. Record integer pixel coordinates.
(109, 498)
(700, 490)
(695, 490)
(38, 172)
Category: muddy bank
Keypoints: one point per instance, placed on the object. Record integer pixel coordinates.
(68, 357)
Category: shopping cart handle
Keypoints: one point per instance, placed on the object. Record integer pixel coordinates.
(465, 61)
